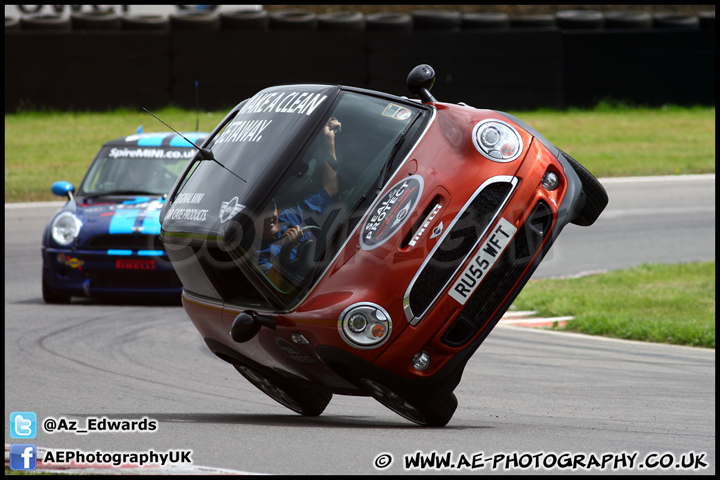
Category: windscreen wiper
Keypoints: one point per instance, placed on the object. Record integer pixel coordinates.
(121, 192)
(398, 143)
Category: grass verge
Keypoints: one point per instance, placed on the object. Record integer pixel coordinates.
(655, 303)
(609, 140)
(614, 140)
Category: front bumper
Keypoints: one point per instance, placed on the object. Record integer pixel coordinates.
(92, 274)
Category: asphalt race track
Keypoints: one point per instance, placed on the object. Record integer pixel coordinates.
(528, 397)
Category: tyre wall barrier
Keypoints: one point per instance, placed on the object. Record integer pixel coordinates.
(493, 69)
(479, 59)
(248, 63)
(653, 68)
(91, 70)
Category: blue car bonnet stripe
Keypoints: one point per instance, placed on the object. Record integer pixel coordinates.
(178, 141)
(136, 201)
(151, 222)
(151, 139)
(123, 221)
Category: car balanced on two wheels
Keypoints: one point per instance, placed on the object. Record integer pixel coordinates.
(333, 240)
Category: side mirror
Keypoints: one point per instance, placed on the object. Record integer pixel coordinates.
(420, 81)
(247, 324)
(63, 189)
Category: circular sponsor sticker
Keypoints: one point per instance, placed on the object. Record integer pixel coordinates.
(390, 213)
(403, 114)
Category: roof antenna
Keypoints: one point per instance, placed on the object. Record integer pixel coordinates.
(205, 153)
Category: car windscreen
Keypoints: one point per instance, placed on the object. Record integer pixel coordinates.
(251, 150)
(135, 170)
(284, 193)
(313, 209)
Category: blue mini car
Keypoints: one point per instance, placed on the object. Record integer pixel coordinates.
(104, 241)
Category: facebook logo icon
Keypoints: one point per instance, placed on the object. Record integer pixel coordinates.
(23, 424)
(23, 456)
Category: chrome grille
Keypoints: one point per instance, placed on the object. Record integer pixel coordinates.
(461, 238)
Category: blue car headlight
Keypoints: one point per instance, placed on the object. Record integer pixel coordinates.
(497, 140)
(65, 228)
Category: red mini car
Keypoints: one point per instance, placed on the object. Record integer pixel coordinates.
(336, 240)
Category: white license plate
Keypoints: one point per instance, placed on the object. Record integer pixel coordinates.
(477, 269)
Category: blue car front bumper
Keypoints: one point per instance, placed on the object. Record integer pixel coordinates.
(93, 274)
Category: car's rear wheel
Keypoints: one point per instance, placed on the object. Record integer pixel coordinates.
(596, 198)
(433, 411)
(309, 403)
(49, 295)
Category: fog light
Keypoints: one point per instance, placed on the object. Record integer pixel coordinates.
(421, 361)
(299, 339)
(550, 181)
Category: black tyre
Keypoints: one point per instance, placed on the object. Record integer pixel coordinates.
(434, 411)
(707, 20)
(12, 23)
(476, 21)
(145, 22)
(596, 198)
(580, 20)
(293, 19)
(389, 22)
(533, 21)
(203, 8)
(436, 19)
(44, 22)
(194, 20)
(255, 20)
(671, 20)
(624, 19)
(341, 22)
(309, 403)
(95, 20)
(49, 295)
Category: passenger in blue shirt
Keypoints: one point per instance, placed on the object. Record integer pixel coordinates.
(283, 231)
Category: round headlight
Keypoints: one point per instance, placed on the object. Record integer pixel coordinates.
(497, 140)
(65, 228)
(357, 322)
(365, 325)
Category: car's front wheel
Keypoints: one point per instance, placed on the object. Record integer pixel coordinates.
(433, 411)
(596, 198)
(49, 295)
(309, 403)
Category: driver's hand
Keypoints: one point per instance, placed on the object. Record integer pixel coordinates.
(292, 235)
(332, 127)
